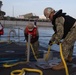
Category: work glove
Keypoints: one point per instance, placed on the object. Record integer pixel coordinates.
(57, 42)
(50, 43)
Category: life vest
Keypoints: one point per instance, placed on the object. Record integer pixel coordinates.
(33, 32)
(1, 30)
(69, 22)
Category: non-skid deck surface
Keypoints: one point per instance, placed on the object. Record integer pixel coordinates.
(13, 50)
(7, 71)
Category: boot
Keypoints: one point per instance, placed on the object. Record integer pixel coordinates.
(59, 66)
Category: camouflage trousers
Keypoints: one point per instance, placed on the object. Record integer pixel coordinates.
(35, 47)
(68, 42)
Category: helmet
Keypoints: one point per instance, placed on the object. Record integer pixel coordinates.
(30, 26)
(48, 11)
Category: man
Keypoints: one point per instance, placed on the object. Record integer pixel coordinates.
(33, 31)
(1, 29)
(64, 27)
(35, 23)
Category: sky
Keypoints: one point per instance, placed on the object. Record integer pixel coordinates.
(21, 7)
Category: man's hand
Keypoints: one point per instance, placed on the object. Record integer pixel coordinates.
(58, 43)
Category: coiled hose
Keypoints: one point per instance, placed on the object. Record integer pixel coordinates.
(61, 54)
(24, 70)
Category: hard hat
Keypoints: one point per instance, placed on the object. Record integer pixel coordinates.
(30, 26)
(48, 11)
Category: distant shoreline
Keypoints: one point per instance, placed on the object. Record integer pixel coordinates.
(8, 23)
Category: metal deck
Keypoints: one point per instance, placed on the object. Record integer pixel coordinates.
(14, 51)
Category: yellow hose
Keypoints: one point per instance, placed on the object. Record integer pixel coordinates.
(21, 72)
(62, 57)
(48, 53)
(63, 60)
(39, 71)
(33, 52)
(11, 65)
(18, 72)
(46, 56)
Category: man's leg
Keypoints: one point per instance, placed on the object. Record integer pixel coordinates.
(69, 59)
(67, 44)
(36, 47)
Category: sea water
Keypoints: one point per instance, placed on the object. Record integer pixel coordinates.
(45, 34)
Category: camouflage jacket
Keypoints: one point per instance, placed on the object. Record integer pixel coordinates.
(56, 37)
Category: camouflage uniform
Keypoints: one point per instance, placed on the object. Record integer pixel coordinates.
(64, 27)
(68, 41)
(36, 47)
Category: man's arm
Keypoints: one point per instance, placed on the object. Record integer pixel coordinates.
(60, 30)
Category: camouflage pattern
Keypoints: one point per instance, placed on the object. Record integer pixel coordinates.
(35, 48)
(68, 41)
(60, 30)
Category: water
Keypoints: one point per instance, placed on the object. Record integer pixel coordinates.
(45, 34)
